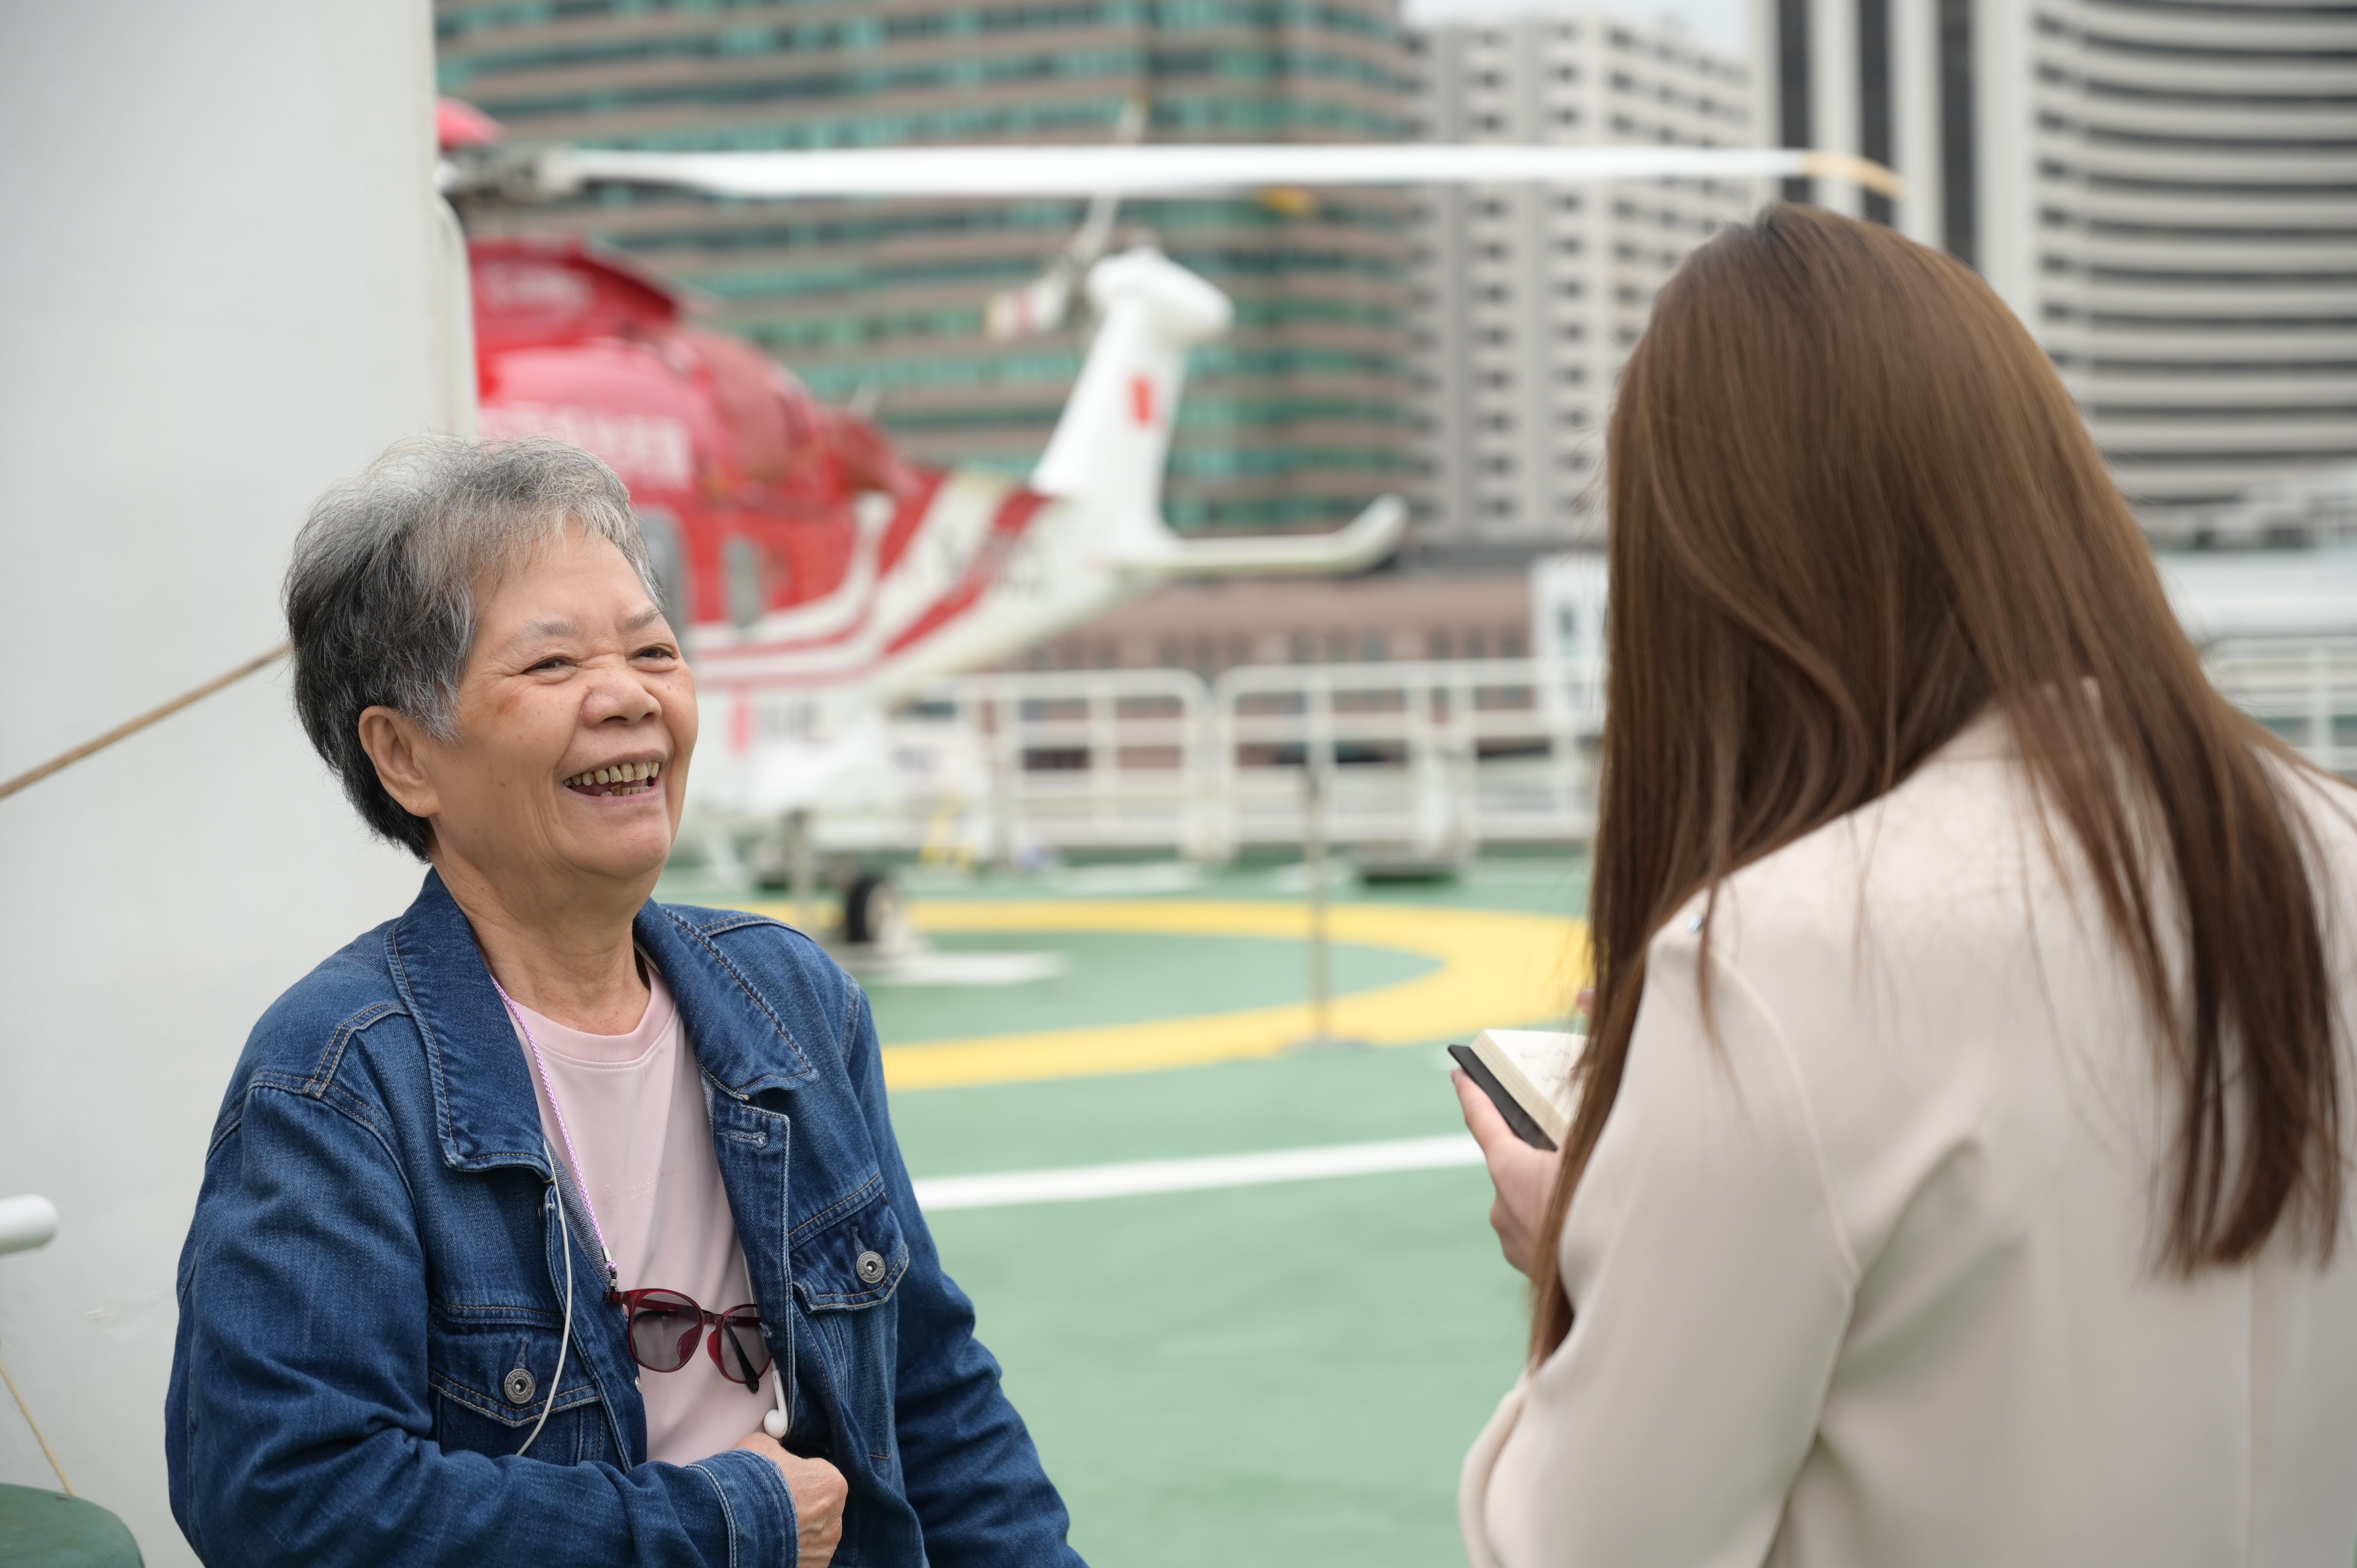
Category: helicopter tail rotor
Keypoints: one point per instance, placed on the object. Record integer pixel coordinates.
(1045, 303)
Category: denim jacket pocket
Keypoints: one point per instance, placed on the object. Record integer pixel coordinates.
(488, 1370)
(847, 1269)
(853, 1257)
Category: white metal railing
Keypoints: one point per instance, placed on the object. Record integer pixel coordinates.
(2304, 692)
(1429, 759)
(1108, 760)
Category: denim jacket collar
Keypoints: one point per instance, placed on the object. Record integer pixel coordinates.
(483, 1104)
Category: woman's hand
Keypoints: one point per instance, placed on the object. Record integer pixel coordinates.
(818, 1490)
(1524, 1176)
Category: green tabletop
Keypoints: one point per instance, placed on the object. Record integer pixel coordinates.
(41, 1529)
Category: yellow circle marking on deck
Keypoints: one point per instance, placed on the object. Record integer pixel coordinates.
(1498, 969)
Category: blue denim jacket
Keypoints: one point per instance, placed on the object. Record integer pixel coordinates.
(376, 1248)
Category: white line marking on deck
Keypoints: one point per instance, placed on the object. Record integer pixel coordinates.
(1003, 1189)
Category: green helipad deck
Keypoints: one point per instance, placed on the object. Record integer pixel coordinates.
(1284, 1372)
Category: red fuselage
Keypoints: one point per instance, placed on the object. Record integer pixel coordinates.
(744, 482)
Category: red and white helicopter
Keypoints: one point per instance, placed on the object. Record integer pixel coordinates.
(818, 577)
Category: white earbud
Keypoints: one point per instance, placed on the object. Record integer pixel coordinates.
(774, 1423)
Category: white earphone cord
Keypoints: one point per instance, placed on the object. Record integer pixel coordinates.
(776, 1423)
(564, 1335)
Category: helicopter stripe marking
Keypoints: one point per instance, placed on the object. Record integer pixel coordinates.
(1014, 515)
(915, 507)
(1141, 398)
(1011, 515)
(911, 519)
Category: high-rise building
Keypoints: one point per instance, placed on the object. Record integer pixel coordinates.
(1296, 420)
(2162, 189)
(1530, 297)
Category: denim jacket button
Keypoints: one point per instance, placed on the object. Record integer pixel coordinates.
(871, 1268)
(518, 1386)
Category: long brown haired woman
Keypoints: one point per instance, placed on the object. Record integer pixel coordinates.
(1959, 1174)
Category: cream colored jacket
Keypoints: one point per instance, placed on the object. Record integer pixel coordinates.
(1872, 1283)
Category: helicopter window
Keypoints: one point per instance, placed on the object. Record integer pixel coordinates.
(745, 567)
(667, 556)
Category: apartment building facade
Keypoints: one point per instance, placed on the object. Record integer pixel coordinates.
(2162, 190)
(1530, 298)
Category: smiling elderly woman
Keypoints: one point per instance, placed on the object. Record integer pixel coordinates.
(546, 1224)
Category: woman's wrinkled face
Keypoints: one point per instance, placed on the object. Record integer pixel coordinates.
(577, 717)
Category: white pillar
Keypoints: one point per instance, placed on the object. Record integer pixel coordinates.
(221, 292)
(2005, 137)
(1915, 116)
(1833, 84)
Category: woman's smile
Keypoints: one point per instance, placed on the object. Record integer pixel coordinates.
(625, 780)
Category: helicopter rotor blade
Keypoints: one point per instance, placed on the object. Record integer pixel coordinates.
(1176, 170)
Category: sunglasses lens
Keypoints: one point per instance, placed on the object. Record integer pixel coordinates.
(743, 1355)
(664, 1327)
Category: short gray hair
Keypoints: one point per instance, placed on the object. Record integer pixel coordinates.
(380, 596)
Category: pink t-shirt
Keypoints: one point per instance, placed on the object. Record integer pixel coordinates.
(635, 1104)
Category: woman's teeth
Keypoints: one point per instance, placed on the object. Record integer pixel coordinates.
(624, 779)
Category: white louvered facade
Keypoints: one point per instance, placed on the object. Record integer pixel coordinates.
(1530, 298)
(2165, 190)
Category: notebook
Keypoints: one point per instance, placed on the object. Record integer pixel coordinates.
(1526, 1073)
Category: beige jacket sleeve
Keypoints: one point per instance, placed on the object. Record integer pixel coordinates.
(1712, 1286)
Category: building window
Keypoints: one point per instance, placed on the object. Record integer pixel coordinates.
(1959, 209)
(1874, 96)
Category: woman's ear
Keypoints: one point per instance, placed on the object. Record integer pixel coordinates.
(394, 742)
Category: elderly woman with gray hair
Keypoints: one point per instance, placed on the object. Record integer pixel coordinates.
(547, 1224)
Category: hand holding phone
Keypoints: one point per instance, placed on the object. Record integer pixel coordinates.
(1523, 1175)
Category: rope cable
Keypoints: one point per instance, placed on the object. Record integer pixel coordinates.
(65, 759)
(47, 1452)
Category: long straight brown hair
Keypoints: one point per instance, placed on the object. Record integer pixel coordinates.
(1852, 506)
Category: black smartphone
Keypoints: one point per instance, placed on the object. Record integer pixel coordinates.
(1520, 1119)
